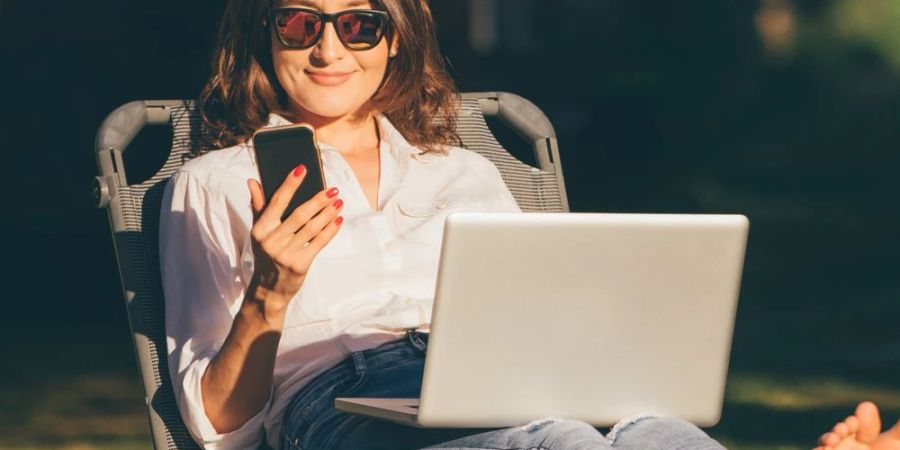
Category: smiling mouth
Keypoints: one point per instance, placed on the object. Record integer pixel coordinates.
(328, 78)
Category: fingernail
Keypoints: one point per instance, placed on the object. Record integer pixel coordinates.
(338, 204)
(298, 170)
(332, 192)
(339, 220)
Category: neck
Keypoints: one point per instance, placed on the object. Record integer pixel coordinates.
(348, 134)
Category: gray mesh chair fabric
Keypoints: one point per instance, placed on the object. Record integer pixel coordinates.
(534, 189)
(134, 215)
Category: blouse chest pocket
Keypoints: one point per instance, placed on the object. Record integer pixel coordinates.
(423, 209)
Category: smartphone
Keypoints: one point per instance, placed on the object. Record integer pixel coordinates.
(278, 151)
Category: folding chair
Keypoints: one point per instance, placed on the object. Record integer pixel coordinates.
(134, 214)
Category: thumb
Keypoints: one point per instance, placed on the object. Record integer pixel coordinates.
(257, 199)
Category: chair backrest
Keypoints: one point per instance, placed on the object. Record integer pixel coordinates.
(134, 215)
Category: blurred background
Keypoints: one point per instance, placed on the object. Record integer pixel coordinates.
(783, 110)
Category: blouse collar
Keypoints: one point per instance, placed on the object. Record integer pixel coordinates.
(397, 144)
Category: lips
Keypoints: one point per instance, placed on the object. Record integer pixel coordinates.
(328, 78)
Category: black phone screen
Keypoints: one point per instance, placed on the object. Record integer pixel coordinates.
(278, 151)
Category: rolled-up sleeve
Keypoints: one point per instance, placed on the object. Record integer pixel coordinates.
(201, 247)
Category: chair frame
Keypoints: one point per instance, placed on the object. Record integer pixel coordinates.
(137, 272)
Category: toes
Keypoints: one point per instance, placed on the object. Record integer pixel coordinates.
(850, 444)
(830, 439)
(852, 424)
(841, 429)
(869, 422)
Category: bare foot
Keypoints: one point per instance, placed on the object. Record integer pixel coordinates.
(861, 432)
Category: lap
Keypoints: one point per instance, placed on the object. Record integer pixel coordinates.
(395, 371)
(391, 371)
(660, 433)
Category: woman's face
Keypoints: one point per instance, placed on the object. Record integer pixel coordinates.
(329, 80)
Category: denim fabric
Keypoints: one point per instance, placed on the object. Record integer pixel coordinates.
(395, 370)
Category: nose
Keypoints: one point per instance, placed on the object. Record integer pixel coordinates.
(329, 48)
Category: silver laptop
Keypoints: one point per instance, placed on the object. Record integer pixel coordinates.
(594, 317)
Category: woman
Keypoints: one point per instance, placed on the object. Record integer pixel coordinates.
(268, 321)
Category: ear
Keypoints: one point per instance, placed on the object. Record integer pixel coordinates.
(395, 46)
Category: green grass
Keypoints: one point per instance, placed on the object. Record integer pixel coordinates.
(87, 411)
(71, 387)
(98, 411)
(809, 393)
(83, 393)
(764, 411)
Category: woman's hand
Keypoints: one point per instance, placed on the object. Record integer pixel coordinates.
(283, 251)
(238, 381)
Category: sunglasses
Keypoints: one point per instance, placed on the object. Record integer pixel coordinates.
(358, 29)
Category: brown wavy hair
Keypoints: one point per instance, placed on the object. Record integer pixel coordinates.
(417, 94)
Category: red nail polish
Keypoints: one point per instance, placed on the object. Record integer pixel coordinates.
(339, 220)
(299, 170)
(338, 204)
(332, 192)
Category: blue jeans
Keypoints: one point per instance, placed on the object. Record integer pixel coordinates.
(310, 421)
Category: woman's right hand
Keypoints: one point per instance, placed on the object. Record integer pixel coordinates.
(283, 251)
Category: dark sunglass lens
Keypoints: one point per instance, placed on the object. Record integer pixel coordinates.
(298, 28)
(360, 30)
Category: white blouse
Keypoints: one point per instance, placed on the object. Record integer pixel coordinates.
(372, 282)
